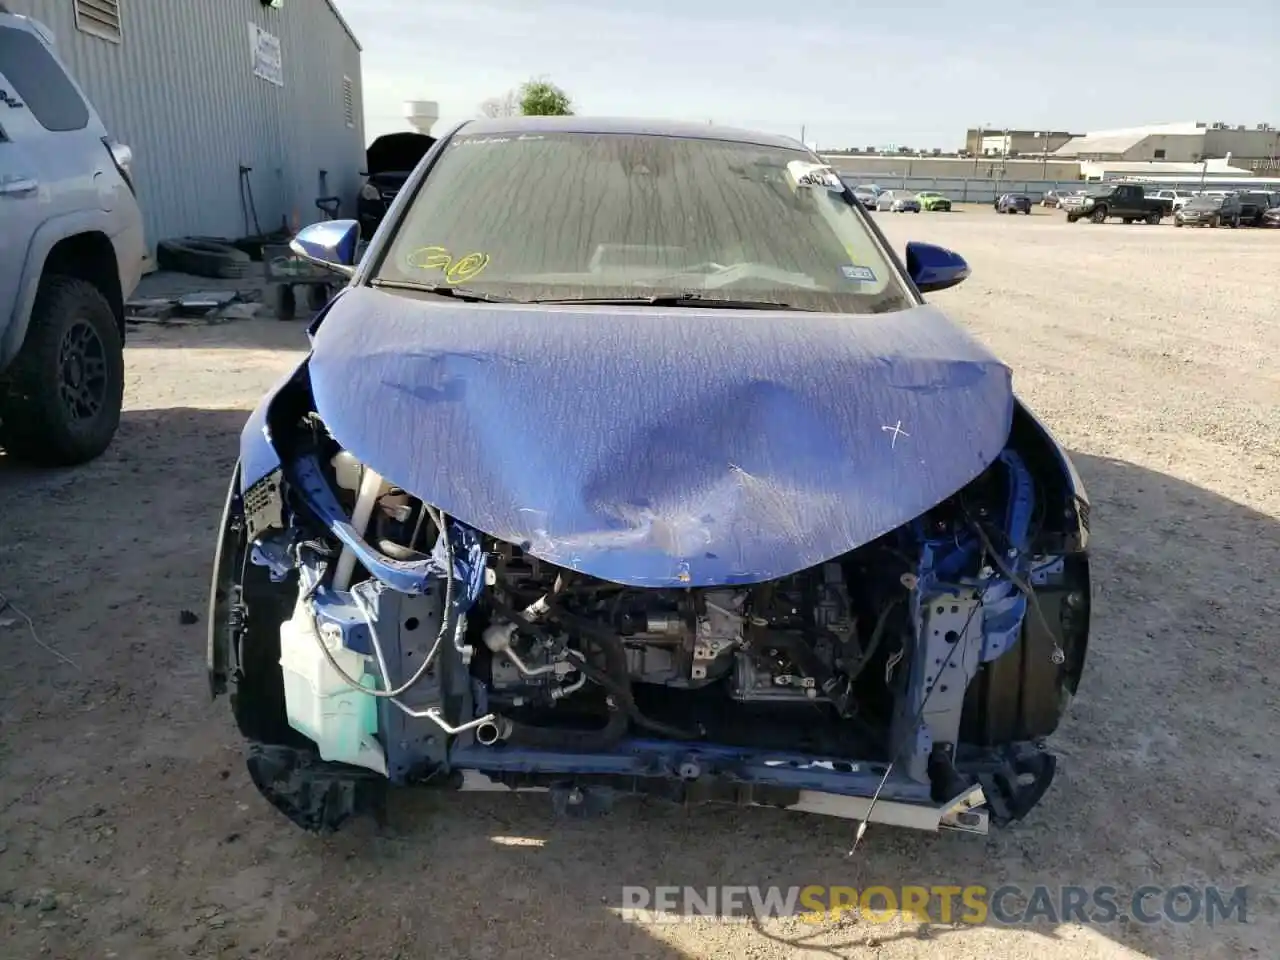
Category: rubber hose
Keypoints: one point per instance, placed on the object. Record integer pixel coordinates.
(529, 735)
(616, 679)
(613, 648)
(615, 728)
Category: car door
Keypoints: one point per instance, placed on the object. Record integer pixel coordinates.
(20, 205)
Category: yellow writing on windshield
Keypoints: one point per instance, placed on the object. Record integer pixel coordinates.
(439, 258)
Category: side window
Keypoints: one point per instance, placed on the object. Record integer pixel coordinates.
(39, 83)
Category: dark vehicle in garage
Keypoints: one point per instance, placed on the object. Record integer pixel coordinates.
(388, 162)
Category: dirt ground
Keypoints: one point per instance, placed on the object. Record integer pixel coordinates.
(128, 827)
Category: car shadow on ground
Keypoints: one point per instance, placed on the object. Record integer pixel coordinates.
(485, 875)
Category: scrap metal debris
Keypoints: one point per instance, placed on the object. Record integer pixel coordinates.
(195, 309)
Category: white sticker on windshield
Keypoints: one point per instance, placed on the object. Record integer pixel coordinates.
(861, 274)
(805, 174)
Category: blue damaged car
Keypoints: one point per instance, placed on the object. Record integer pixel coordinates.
(631, 459)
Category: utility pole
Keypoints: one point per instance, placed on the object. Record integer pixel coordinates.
(977, 151)
(1044, 170)
(802, 139)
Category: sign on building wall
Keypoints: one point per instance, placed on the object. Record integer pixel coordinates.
(268, 60)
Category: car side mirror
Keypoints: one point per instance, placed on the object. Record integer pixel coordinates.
(330, 243)
(935, 268)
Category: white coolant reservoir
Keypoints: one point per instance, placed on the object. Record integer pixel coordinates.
(320, 704)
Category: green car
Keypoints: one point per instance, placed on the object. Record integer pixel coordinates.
(933, 201)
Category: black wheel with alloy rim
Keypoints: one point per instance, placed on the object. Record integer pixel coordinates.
(83, 367)
(65, 388)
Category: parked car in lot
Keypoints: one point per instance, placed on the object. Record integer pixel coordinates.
(932, 201)
(1051, 198)
(867, 194)
(898, 201)
(1255, 203)
(1013, 203)
(388, 162)
(1123, 201)
(477, 541)
(71, 252)
(1210, 211)
(1271, 218)
(1170, 200)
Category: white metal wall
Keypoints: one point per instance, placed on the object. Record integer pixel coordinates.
(180, 90)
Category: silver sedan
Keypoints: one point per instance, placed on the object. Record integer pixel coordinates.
(898, 201)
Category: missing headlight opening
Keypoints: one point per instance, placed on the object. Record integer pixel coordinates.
(871, 684)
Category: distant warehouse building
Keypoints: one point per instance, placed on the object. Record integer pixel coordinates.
(236, 110)
(982, 142)
(1253, 147)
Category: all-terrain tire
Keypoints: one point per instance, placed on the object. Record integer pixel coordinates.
(37, 421)
(203, 257)
(1099, 215)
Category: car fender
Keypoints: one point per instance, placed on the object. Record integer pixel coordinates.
(258, 456)
(42, 241)
(1075, 485)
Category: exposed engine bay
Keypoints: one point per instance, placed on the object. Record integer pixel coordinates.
(412, 645)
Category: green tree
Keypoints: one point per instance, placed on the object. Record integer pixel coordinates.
(542, 98)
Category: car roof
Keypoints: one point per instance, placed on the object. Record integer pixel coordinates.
(625, 125)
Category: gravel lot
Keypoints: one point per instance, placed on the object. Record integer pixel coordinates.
(129, 829)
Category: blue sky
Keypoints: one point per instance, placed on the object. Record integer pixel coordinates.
(915, 72)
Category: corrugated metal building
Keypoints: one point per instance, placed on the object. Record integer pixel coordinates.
(201, 88)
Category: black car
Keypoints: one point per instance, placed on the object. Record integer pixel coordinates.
(1014, 203)
(388, 162)
(1271, 218)
(1254, 204)
(1209, 211)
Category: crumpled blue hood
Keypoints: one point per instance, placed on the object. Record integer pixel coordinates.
(660, 448)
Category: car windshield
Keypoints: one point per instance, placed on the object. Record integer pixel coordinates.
(583, 216)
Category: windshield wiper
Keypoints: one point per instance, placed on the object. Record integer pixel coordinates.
(675, 300)
(441, 289)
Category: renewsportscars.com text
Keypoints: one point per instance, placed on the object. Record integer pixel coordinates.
(1009, 905)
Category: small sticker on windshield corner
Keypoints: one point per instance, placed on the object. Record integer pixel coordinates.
(861, 274)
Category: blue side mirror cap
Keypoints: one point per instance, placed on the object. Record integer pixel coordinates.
(329, 243)
(935, 268)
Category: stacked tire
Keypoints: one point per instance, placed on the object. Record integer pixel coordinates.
(204, 257)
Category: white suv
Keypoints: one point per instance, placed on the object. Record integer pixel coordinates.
(71, 253)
